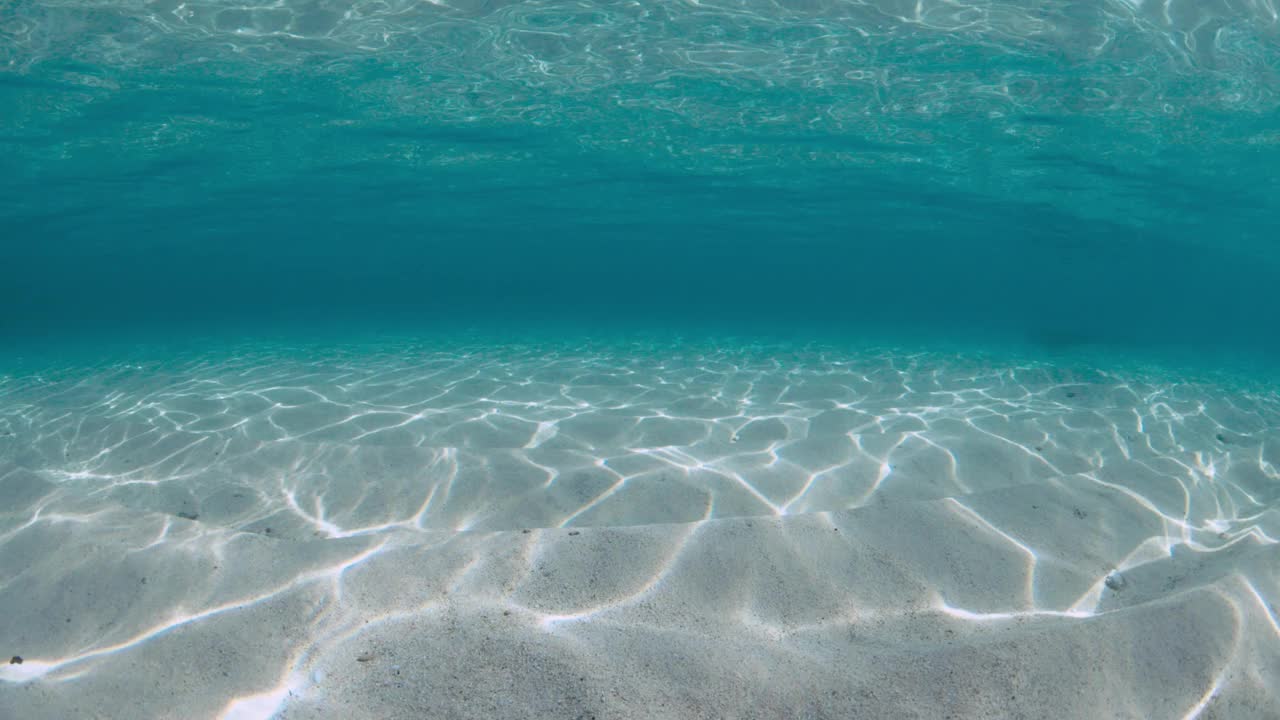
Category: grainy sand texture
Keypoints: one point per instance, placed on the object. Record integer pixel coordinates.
(647, 531)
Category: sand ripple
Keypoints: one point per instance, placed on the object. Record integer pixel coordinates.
(635, 532)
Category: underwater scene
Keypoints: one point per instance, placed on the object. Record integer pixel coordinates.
(594, 359)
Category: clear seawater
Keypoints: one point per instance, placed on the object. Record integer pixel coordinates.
(1057, 172)
(836, 237)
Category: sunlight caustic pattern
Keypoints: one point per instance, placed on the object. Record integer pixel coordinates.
(369, 531)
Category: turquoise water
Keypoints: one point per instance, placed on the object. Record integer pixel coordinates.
(629, 359)
(1059, 173)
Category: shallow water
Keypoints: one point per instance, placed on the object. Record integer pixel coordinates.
(667, 359)
(1060, 173)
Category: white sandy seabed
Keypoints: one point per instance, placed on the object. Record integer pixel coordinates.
(530, 532)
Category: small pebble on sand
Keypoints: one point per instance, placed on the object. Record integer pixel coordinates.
(1114, 580)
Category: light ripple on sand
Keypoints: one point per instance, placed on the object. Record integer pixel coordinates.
(632, 534)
